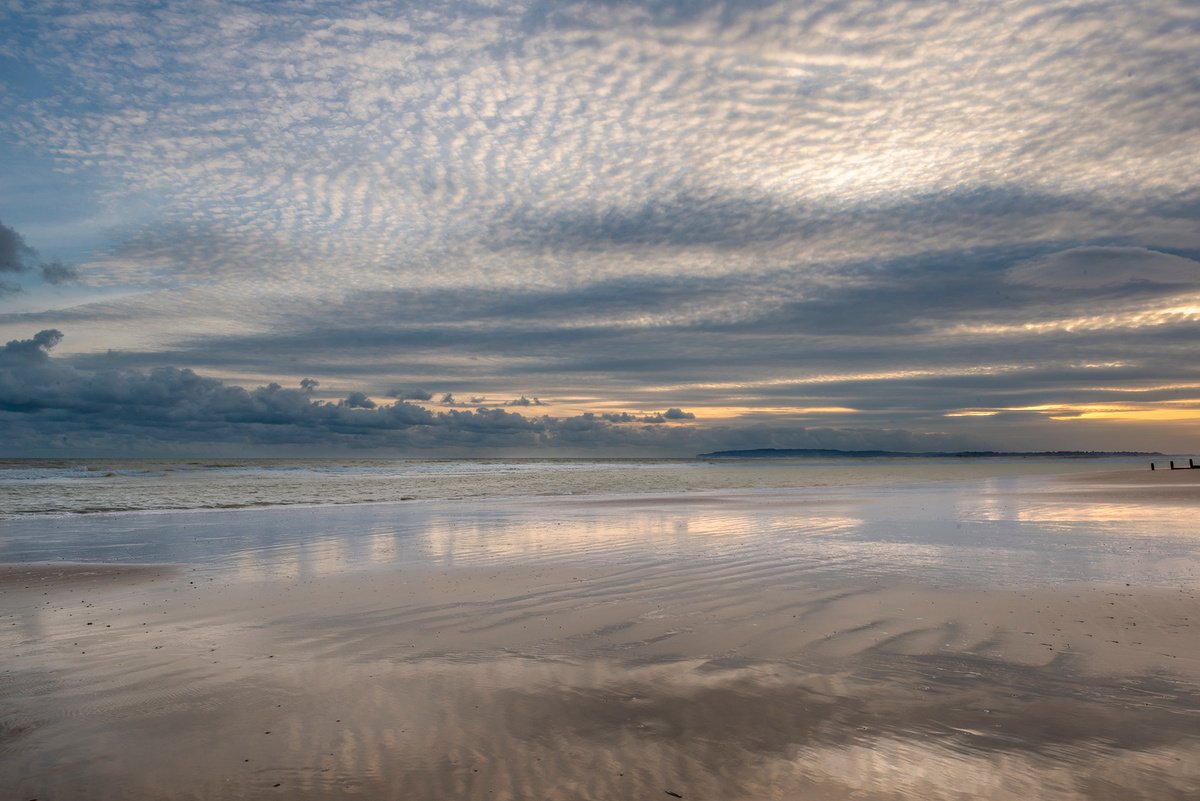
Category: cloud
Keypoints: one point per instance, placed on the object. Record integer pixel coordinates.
(48, 400)
(895, 344)
(409, 394)
(896, 208)
(18, 257)
(34, 350)
(358, 400)
(153, 403)
(15, 255)
(714, 124)
(684, 219)
(669, 416)
(740, 220)
(1106, 267)
(620, 417)
(55, 272)
(523, 401)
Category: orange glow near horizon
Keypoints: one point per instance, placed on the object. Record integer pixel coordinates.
(1163, 411)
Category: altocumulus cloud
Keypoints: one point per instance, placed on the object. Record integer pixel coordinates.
(47, 402)
(862, 215)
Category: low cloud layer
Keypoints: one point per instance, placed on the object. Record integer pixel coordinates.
(48, 405)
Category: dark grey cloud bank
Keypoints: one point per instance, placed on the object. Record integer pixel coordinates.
(895, 345)
(49, 406)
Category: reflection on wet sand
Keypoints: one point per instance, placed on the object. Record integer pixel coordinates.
(903, 645)
(512, 727)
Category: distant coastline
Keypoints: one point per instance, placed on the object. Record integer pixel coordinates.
(791, 453)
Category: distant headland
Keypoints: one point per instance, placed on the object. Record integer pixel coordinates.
(794, 453)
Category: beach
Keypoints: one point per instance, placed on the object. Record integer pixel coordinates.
(1010, 635)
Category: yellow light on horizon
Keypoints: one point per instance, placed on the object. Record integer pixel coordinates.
(1163, 411)
(1145, 415)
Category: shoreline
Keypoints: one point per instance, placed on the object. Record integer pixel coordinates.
(221, 489)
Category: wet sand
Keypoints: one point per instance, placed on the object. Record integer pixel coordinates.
(71, 577)
(1134, 487)
(997, 640)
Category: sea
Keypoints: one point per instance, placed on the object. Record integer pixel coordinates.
(123, 486)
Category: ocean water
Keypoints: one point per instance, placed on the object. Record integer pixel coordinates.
(73, 487)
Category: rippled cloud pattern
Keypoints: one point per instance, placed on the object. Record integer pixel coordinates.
(973, 221)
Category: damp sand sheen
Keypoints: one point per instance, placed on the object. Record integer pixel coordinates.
(1004, 636)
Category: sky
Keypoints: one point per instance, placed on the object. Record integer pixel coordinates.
(606, 227)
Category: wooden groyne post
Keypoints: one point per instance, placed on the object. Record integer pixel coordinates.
(1191, 465)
